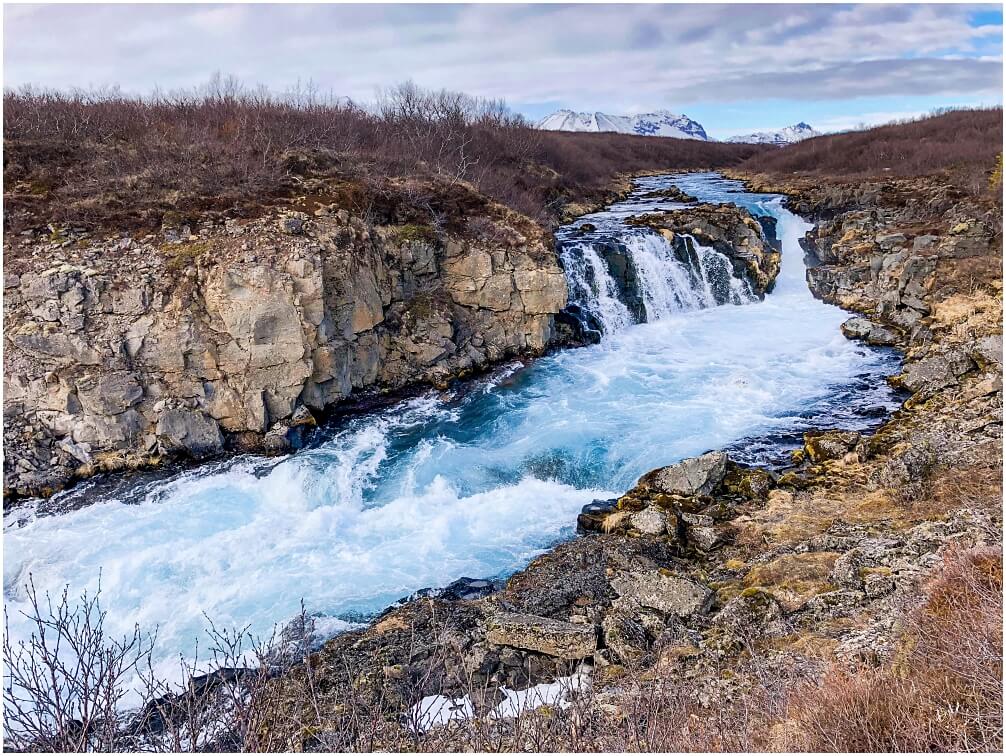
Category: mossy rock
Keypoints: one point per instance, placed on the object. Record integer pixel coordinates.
(182, 256)
(748, 482)
(758, 595)
(632, 502)
(793, 479)
(414, 232)
(829, 445)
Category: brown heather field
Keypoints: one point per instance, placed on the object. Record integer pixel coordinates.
(963, 144)
(109, 160)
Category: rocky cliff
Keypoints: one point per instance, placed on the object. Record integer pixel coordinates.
(120, 351)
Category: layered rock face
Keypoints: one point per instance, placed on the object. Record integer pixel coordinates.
(922, 262)
(892, 250)
(120, 351)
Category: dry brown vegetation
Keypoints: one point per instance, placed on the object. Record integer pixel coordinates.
(941, 692)
(944, 691)
(964, 144)
(104, 159)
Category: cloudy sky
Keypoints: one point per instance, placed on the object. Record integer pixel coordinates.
(734, 68)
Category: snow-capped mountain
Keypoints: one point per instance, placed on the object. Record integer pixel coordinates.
(788, 135)
(661, 123)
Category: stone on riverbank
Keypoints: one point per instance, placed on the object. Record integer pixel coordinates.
(861, 329)
(562, 640)
(697, 476)
(668, 594)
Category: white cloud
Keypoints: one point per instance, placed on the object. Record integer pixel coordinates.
(609, 57)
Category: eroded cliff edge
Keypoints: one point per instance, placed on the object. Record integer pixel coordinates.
(229, 334)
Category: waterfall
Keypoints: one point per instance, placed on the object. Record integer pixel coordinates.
(641, 276)
(592, 288)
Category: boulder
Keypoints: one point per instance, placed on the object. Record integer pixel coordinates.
(862, 329)
(826, 445)
(704, 537)
(592, 516)
(697, 476)
(926, 376)
(988, 351)
(462, 589)
(747, 482)
(651, 521)
(276, 441)
(753, 612)
(562, 640)
(189, 432)
(668, 594)
(624, 637)
(80, 452)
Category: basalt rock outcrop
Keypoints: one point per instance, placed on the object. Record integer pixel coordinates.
(120, 351)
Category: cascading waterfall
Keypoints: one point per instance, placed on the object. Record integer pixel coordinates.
(667, 277)
(592, 287)
(668, 285)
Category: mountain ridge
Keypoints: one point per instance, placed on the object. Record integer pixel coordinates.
(788, 135)
(658, 123)
(666, 124)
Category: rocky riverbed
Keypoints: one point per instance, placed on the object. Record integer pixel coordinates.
(124, 352)
(698, 569)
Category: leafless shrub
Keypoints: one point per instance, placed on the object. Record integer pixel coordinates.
(944, 691)
(964, 144)
(64, 685)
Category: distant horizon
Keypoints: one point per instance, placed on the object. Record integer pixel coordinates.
(736, 69)
(770, 129)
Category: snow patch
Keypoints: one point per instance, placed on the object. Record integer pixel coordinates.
(516, 702)
(435, 711)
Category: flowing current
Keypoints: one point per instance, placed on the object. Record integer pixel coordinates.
(478, 480)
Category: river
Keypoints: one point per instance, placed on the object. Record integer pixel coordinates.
(477, 480)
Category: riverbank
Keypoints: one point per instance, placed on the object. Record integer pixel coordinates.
(239, 336)
(233, 335)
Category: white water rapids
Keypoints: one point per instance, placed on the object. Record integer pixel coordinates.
(475, 481)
